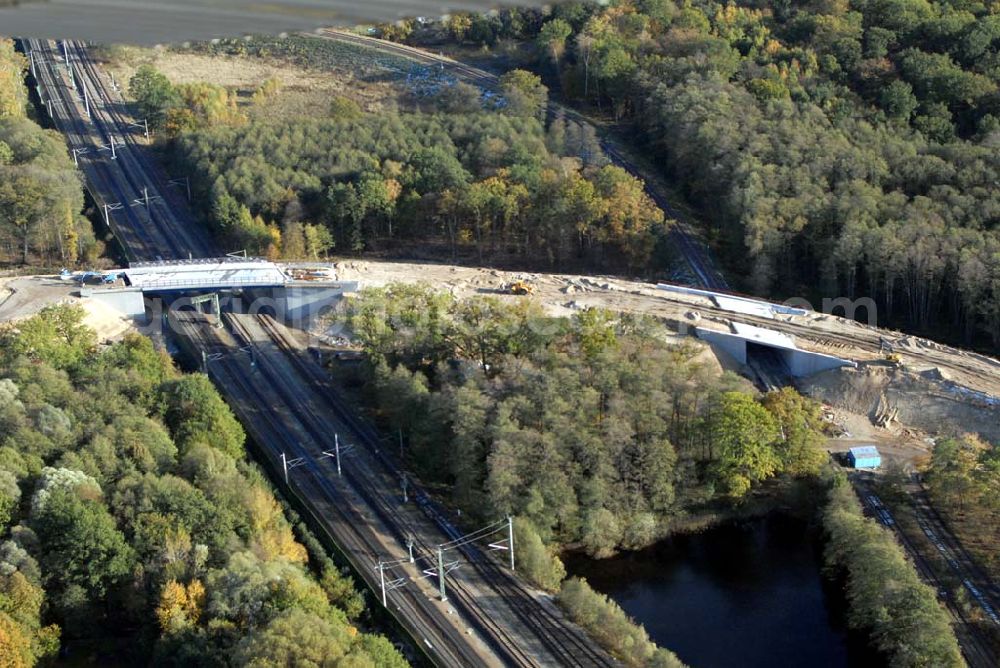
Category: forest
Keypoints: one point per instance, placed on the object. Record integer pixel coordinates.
(468, 176)
(592, 430)
(41, 195)
(133, 528)
(885, 595)
(836, 148)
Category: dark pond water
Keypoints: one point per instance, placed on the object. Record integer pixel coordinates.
(736, 596)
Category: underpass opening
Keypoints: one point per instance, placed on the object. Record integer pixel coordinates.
(772, 358)
(769, 364)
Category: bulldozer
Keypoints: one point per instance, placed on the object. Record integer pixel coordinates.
(888, 351)
(520, 288)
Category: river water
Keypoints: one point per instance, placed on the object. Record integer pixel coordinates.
(740, 595)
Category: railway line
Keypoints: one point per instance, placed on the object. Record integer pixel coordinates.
(977, 583)
(300, 422)
(126, 188)
(977, 647)
(122, 185)
(339, 513)
(695, 255)
(359, 476)
(174, 217)
(99, 176)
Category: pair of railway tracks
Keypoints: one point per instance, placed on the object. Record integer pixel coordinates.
(362, 478)
(101, 180)
(174, 218)
(979, 585)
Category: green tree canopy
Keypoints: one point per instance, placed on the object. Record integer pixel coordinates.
(83, 546)
(196, 414)
(524, 93)
(153, 93)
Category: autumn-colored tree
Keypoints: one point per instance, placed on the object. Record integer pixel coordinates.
(15, 647)
(180, 605)
(272, 535)
(13, 95)
(127, 514)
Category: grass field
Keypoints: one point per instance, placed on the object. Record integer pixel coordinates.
(311, 72)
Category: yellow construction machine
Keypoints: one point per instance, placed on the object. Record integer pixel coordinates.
(520, 288)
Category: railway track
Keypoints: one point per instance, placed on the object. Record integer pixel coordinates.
(976, 582)
(564, 644)
(361, 478)
(124, 185)
(100, 179)
(276, 431)
(695, 255)
(479, 595)
(156, 233)
(568, 645)
(169, 212)
(976, 645)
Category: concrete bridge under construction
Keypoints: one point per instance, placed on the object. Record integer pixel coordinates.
(295, 292)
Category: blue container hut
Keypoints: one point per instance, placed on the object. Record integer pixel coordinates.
(864, 457)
